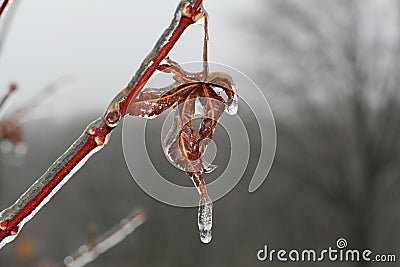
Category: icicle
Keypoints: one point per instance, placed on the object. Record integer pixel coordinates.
(205, 219)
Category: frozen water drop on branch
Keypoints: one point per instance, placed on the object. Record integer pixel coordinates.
(68, 261)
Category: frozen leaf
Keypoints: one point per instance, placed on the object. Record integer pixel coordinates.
(193, 95)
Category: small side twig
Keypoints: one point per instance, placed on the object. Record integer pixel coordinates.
(7, 9)
(89, 252)
(10, 124)
(3, 101)
(97, 133)
(21, 113)
(3, 6)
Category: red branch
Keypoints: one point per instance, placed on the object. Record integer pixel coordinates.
(3, 6)
(183, 24)
(96, 134)
(11, 90)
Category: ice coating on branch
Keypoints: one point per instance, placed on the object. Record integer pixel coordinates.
(87, 253)
(151, 102)
(70, 161)
(42, 183)
(205, 219)
(162, 41)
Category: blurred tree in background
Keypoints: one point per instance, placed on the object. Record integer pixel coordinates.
(334, 70)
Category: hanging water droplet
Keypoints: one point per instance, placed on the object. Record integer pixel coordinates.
(205, 219)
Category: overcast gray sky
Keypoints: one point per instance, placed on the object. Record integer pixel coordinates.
(101, 43)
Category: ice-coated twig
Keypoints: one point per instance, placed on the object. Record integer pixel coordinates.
(6, 97)
(4, 5)
(21, 113)
(89, 252)
(7, 9)
(10, 124)
(97, 133)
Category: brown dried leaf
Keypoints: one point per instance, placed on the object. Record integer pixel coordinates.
(183, 145)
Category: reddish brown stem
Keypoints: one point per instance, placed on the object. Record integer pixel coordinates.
(183, 24)
(95, 136)
(11, 90)
(3, 7)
